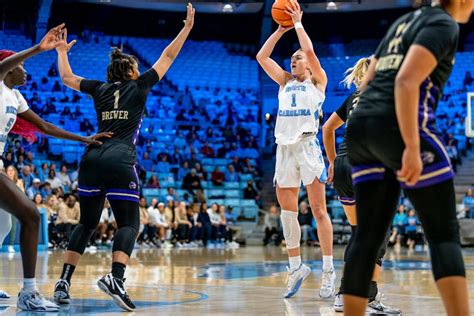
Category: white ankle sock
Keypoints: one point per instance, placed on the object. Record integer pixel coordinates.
(327, 263)
(295, 262)
(29, 285)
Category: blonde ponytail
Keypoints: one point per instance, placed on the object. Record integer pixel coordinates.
(355, 74)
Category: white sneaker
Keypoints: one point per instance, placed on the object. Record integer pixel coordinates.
(376, 307)
(33, 301)
(295, 279)
(235, 244)
(11, 249)
(179, 245)
(328, 284)
(338, 303)
(4, 294)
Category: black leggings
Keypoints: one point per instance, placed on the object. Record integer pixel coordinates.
(126, 214)
(376, 205)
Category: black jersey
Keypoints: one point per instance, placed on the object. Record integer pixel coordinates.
(344, 111)
(120, 105)
(430, 27)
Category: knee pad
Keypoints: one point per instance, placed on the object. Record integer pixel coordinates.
(291, 229)
(79, 238)
(125, 239)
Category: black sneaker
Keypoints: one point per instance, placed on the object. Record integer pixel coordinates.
(114, 287)
(61, 292)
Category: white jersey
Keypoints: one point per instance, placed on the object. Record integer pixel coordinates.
(299, 105)
(11, 103)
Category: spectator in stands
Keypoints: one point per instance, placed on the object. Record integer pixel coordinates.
(184, 225)
(453, 155)
(43, 172)
(171, 195)
(146, 162)
(221, 152)
(204, 223)
(250, 192)
(46, 189)
(21, 162)
(49, 107)
(179, 142)
(64, 177)
(272, 227)
(193, 160)
(45, 85)
(201, 172)
(305, 219)
(398, 225)
(56, 86)
(233, 230)
(176, 157)
(68, 217)
(52, 207)
(163, 166)
(29, 158)
(144, 221)
(170, 217)
(191, 182)
(207, 150)
(12, 173)
(157, 224)
(53, 180)
(8, 161)
(183, 171)
(410, 229)
(34, 189)
(153, 182)
(237, 164)
(468, 201)
(217, 177)
(26, 176)
(104, 233)
(231, 175)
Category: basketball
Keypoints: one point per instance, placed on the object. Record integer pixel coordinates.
(279, 15)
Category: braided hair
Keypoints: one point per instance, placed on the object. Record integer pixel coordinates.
(121, 66)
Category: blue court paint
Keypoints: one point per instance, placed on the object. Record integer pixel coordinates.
(266, 269)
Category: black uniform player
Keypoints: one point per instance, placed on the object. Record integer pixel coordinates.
(109, 171)
(392, 142)
(340, 174)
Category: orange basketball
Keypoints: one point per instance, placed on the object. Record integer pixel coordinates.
(279, 15)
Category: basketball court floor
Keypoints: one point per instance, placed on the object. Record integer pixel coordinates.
(245, 281)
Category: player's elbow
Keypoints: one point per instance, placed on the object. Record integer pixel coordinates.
(405, 82)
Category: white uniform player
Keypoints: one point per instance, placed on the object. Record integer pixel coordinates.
(299, 157)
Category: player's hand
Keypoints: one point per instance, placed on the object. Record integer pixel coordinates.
(63, 45)
(412, 166)
(284, 29)
(189, 22)
(94, 140)
(293, 9)
(51, 39)
(330, 173)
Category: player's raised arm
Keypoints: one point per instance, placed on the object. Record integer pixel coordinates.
(172, 50)
(49, 41)
(272, 69)
(317, 72)
(65, 72)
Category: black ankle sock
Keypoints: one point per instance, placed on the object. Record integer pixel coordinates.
(118, 270)
(68, 270)
(373, 291)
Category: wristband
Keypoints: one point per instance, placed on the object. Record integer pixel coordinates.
(298, 25)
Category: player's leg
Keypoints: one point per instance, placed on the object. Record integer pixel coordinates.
(287, 181)
(313, 173)
(91, 209)
(436, 208)
(127, 216)
(376, 204)
(17, 204)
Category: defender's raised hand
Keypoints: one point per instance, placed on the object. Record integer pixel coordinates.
(63, 45)
(189, 22)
